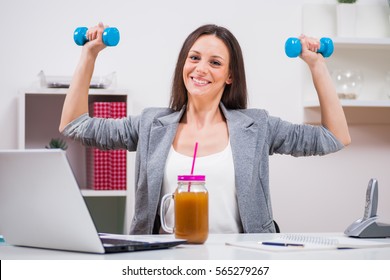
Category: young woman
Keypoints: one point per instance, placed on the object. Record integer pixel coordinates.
(208, 105)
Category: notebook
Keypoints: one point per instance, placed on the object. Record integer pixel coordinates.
(41, 206)
(291, 242)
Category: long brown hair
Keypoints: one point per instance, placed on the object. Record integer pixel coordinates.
(235, 94)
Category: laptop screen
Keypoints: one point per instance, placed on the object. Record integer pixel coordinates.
(41, 204)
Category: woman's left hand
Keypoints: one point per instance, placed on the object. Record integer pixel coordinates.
(309, 53)
(332, 113)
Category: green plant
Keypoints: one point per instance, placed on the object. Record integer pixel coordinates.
(57, 143)
(347, 1)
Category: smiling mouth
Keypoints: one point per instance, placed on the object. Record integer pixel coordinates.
(200, 82)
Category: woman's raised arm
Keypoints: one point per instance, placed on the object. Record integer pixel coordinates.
(332, 113)
(76, 101)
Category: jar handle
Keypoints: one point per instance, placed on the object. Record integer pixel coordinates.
(164, 200)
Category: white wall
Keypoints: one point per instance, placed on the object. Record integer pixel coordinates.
(309, 194)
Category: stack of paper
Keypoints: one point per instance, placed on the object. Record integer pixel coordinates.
(296, 242)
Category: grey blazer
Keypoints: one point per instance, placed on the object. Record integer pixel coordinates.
(254, 135)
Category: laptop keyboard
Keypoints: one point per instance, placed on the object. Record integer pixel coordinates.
(113, 241)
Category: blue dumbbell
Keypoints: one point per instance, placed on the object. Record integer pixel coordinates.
(293, 47)
(110, 36)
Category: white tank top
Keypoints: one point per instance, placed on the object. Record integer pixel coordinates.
(219, 171)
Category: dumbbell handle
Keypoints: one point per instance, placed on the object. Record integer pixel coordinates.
(110, 36)
(293, 47)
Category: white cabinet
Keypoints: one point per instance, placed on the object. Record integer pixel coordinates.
(369, 55)
(39, 117)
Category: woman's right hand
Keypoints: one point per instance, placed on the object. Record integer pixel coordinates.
(76, 101)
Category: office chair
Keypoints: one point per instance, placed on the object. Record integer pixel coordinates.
(276, 227)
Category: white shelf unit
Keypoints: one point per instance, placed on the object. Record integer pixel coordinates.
(93, 193)
(39, 117)
(354, 103)
(370, 55)
(363, 43)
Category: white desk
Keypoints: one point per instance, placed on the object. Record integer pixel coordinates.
(213, 249)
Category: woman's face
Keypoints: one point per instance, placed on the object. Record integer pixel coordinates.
(206, 69)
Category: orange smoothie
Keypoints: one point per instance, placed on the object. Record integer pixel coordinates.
(192, 216)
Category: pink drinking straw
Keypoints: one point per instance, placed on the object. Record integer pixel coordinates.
(193, 164)
(194, 157)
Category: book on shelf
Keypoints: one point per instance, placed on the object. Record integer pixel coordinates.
(107, 169)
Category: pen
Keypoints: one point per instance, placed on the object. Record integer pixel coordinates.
(282, 244)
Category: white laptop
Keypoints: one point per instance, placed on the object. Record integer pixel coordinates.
(41, 206)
